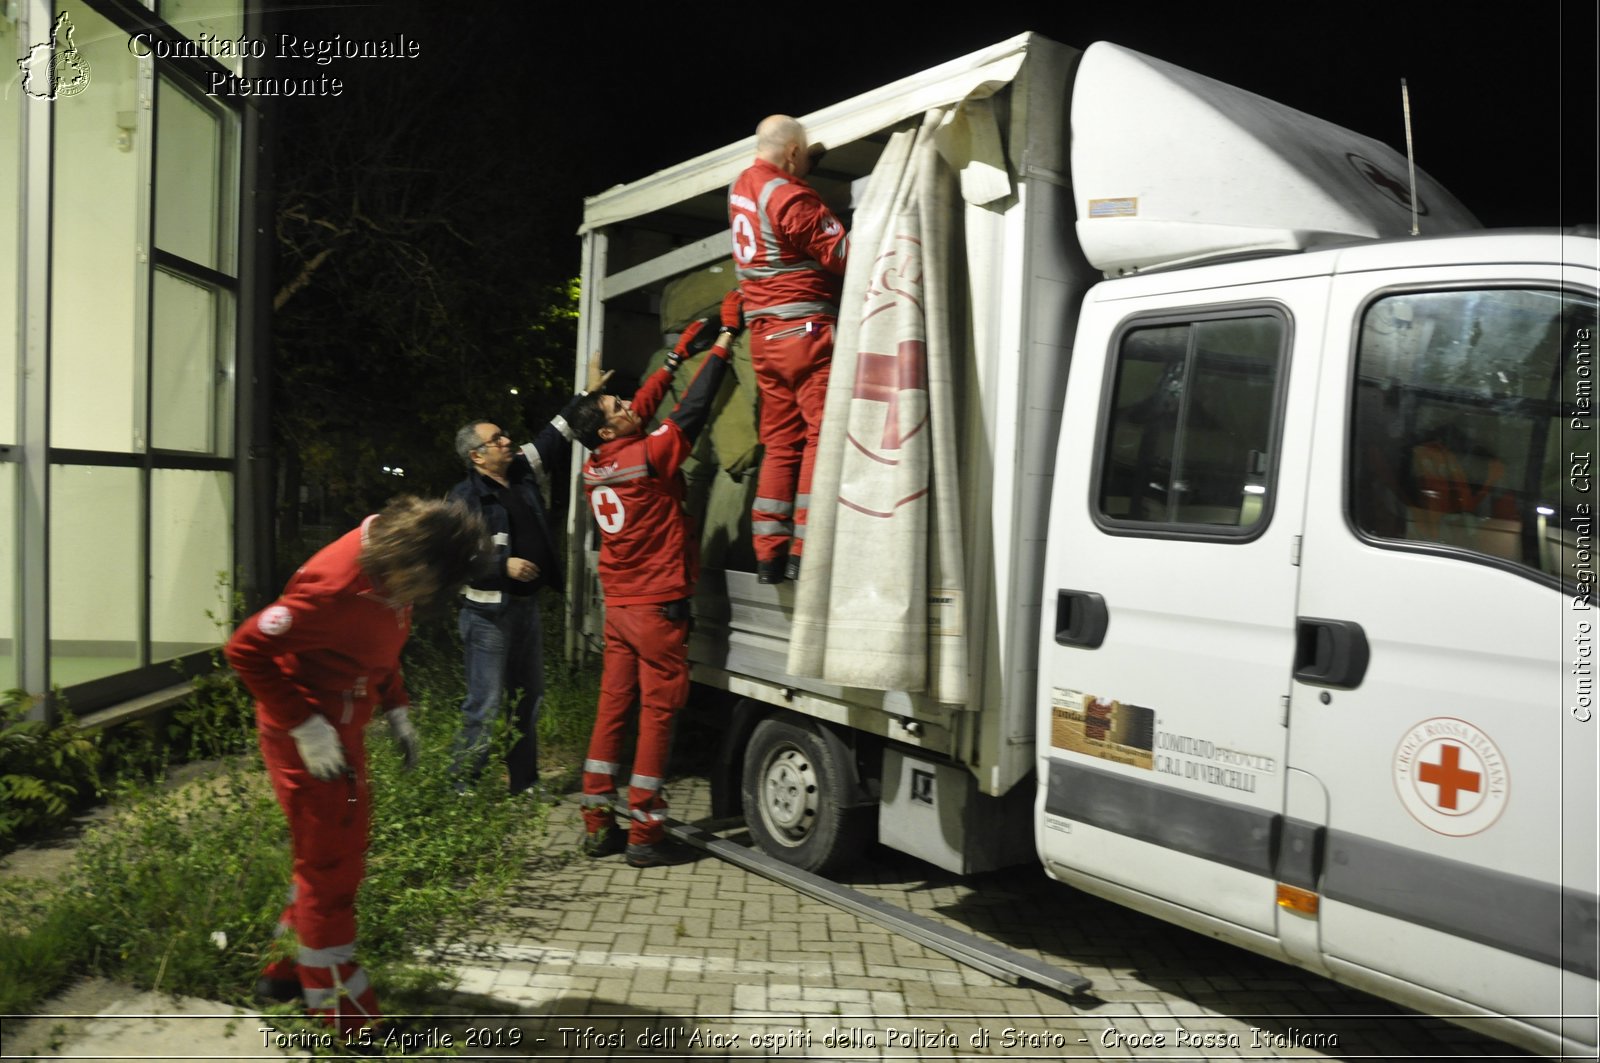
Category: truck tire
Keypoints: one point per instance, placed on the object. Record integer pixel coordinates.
(797, 798)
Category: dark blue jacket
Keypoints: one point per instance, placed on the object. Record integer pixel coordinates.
(536, 461)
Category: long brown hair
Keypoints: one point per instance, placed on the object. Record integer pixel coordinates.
(419, 550)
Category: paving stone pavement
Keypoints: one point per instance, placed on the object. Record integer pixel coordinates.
(597, 959)
(594, 959)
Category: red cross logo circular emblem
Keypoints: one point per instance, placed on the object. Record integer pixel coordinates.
(275, 620)
(609, 511)
(1450, 776)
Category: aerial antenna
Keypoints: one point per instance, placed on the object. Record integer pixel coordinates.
(1411, 159)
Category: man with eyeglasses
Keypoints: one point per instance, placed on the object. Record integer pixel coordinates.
(499, 621)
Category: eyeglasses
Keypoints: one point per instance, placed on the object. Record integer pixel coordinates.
(495, 440)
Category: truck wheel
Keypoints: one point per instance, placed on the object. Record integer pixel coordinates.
(795, 793)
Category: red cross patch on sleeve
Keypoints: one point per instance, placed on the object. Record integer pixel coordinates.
(275, 620)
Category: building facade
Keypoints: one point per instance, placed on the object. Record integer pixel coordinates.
(131, 206)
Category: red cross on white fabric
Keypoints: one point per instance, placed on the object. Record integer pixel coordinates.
(882, 377)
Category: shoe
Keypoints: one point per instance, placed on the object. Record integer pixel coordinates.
(770, 571)
(791, 571)
(537, 792)
(279, 990)
(606, 842)
(660, 854)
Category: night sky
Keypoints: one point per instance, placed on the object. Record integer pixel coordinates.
(572, 100)
(1503, 96)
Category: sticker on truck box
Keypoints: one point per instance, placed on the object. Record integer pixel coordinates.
(1451, 777)
(1102, 727)
(1119, 207)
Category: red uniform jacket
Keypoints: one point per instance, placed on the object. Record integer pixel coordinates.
(636, 495)
(329, 644)
(788, 248)
(648, 552)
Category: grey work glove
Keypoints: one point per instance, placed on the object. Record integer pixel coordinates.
(319, 747)
(404, 735)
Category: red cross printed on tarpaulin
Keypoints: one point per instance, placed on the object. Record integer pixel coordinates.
(1449, 776)
(882, 377)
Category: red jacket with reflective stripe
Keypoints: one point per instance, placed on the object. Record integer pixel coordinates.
(330, 644)
(788, 248)
(647, 550)
(636, 497)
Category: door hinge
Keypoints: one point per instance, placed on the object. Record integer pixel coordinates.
(1294, 551)
(1283, 720)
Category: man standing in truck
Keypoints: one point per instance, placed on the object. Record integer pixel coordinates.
(789, 250)
(648, 566)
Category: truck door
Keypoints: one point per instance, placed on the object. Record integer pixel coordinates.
(1170, 597)
(1445, 569)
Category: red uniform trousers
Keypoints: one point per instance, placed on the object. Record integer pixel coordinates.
(647, 654)
(328, 828)
(792, 358)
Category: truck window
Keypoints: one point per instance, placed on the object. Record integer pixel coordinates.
(1473, 427)
(1193, 423)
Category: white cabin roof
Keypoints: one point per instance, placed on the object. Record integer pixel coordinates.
(1169, 166)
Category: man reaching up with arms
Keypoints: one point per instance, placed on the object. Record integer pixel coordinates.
(648, 567)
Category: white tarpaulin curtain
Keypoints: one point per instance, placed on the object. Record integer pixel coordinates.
(881, 603)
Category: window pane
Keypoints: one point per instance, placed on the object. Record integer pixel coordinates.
(220, 20)
(188, 176)
(189, 389)
(1228, 422)
(95, 572)
(1462, 404)
(1192, 423)
(191, 560)
(9, 649)
(10, 212)
(1144, 423)
(96, 390)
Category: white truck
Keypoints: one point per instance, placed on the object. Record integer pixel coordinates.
(1249, 580)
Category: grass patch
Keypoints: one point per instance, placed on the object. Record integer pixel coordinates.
(180, 890)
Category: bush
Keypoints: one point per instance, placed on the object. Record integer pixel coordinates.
(45, 771)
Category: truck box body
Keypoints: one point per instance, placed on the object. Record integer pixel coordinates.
(1254, 591)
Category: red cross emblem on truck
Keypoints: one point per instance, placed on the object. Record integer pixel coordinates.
(1449, 776)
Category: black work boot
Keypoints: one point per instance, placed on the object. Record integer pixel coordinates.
(663, 853)
(277, 990)
(791, 571)
(770, 571)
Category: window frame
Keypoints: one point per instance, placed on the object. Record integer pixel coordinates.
(238, 274)
(1190, 316)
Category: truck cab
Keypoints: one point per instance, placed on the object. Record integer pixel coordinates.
(1334, 514)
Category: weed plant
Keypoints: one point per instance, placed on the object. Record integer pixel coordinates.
(181, 890)
(45, 771)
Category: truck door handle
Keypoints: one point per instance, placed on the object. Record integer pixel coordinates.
(1330, 653)
(1081, 619)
